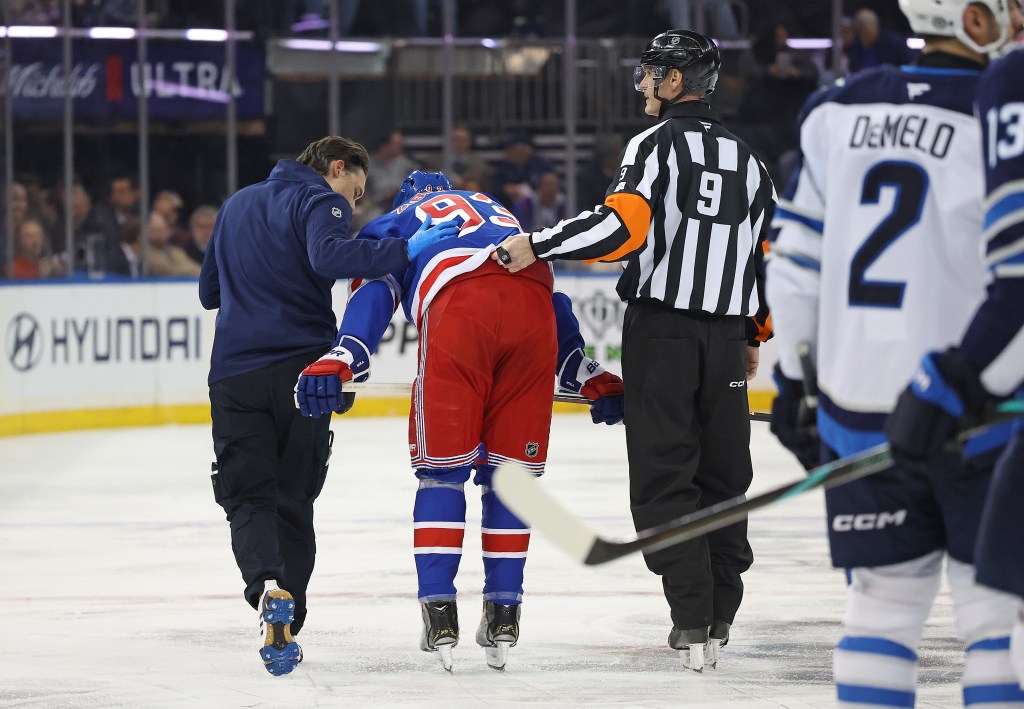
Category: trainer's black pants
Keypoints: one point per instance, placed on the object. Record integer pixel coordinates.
(271, 465)
(688, 443)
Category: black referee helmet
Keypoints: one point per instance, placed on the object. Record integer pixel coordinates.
(692, 53)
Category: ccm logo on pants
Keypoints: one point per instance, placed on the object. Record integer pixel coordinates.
(868, 521)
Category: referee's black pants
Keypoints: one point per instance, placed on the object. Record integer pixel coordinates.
(688, 444)
(272, 463)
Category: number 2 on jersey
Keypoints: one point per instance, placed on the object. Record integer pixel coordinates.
(911, 185)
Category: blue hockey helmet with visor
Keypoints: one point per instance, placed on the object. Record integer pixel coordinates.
(418, 181)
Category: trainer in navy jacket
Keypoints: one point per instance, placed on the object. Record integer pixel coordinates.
(277, 248)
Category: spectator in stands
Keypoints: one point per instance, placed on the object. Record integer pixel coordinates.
(519, 170)
(595, 176)
(200, 227)
(169, 203)
(164, 258)
(467, 165)
(389, 166)
(29, 248)
(17, 203)
(89, 239)
(873, 46)
(40, 204)
(125, 257)
(543, 207)
(122, 204)
(777, 81)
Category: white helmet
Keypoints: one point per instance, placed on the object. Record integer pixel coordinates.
(945, 18)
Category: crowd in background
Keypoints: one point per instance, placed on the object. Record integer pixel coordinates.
(772, 79)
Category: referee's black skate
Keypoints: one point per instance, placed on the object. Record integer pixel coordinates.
(498, 631)
(718, 637)
(440, 629)
(280, 653)
(692, 646)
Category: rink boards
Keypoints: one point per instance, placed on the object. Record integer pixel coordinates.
(97, 354)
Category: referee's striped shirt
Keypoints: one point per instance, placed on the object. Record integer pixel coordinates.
(689, 214)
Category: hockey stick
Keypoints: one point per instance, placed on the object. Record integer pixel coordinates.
(405, 389)
(526, 497)
(402, 389)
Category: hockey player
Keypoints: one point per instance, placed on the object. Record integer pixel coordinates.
(489, 343)
(878, 261)
(954, 386)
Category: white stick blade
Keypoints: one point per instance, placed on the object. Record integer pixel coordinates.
(522, 493)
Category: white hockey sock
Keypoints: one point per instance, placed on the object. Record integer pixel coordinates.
(874, 672)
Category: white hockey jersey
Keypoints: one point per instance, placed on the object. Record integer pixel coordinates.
(879, 255)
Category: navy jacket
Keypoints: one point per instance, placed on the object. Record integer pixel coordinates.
(277, 248)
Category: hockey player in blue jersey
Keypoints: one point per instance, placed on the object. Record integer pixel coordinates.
(953, 387)
(490, 343)
(877, 262)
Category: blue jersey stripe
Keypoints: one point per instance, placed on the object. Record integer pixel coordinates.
(1004, 207)
(782, 214)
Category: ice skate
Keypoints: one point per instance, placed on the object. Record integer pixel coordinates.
(718, 637)
(692, 645)
(498, 631)
(440, 630)
(280, 653)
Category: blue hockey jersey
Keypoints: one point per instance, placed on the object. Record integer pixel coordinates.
(994, 342)
(485, 224)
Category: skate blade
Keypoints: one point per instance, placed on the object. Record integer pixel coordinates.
(693, 657)
(711, 651)
(445, 653)
(497, 655)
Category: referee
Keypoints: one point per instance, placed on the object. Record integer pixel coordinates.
(688, 214)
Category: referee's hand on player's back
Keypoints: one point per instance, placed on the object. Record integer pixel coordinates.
(519, 253)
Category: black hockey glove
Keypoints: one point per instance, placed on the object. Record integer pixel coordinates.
(793, 422)
(943, 397)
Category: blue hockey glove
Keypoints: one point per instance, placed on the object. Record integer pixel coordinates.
(943, 395)
(793, 422)
(428, 235)
(319, 390)
(581, 375)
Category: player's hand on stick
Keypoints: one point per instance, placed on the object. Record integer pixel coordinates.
(515, 253)
(320, 390)
(793, 422)
(429, 234)
(581, 375)
(943, 396)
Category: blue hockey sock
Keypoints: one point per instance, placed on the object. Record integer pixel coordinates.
(505, 540)
(439, 524)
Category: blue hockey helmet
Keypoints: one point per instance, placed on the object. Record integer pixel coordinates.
(418, 181)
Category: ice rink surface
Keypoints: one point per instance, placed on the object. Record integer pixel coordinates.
(119, 589)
